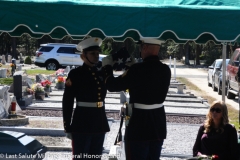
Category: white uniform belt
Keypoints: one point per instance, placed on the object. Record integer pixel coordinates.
(147, 106)
(90, 104)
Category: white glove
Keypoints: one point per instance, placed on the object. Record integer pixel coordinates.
(107, 60)
(202, 156)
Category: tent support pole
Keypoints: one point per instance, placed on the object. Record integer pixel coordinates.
(224, 50)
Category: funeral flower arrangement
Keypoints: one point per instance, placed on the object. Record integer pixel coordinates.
(37, 87)
(60, 79)
(59, 71)
(46, 83)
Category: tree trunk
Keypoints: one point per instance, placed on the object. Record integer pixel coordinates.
(186, 50)
(228, 52)
(181, 51)
(198, 52)
(14, 47)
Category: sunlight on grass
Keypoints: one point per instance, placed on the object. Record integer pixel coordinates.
(233, 114)
(39, 71)
(6, 81)
(5, 66)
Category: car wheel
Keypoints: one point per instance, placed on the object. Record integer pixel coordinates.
(52, 65)
(229, 94)
(213, 86)
(209, 84)
(219, 91)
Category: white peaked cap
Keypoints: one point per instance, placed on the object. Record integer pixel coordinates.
(150, 41)
(90, 42)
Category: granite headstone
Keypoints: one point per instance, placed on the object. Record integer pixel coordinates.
(21, 58)
(29, 82)
(3, 73)
(5, 100)
(9, 59)
(40, 78)
(3, 112)
(3, 59)
(67, 69)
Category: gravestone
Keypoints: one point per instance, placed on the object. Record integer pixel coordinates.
(19, 68)
(9, 59)
(3, 73)
(5, 101)
(29, 82)
(24, 76)
(3, 111)
(49, 78)
(3, 59)
(40, 78)
(21, 58)
(67, 70)
(18, 79)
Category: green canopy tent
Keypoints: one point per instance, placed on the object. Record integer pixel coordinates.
(179, 20)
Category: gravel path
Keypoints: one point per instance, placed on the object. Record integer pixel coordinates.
(180, 140)
(172, 119)
(180, 136)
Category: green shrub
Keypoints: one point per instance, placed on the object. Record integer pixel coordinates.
(28, 60)
(6, 81)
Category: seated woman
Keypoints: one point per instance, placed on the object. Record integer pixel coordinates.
(216, 136)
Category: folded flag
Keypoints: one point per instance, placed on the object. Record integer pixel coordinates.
(120, 67)
(120, 58)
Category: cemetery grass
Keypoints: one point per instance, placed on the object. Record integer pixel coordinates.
(233, 114)
(6, 81)
(5, 66)
(39, 71)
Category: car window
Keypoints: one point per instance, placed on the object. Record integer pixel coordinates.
(68, 50)
(218, 63)
(76, 51)
(213, 64)
(45, 49)
(227, 61)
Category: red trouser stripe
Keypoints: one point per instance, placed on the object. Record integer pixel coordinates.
(72, 149)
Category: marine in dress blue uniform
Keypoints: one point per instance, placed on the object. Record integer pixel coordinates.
(148, 84)
(85, 85)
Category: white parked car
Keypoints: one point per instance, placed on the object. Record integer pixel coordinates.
(211, 71)
(56, 55)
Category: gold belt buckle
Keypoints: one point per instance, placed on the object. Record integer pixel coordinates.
(99, 104)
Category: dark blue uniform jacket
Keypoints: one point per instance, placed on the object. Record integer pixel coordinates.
(86, 85)
(148, 83)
